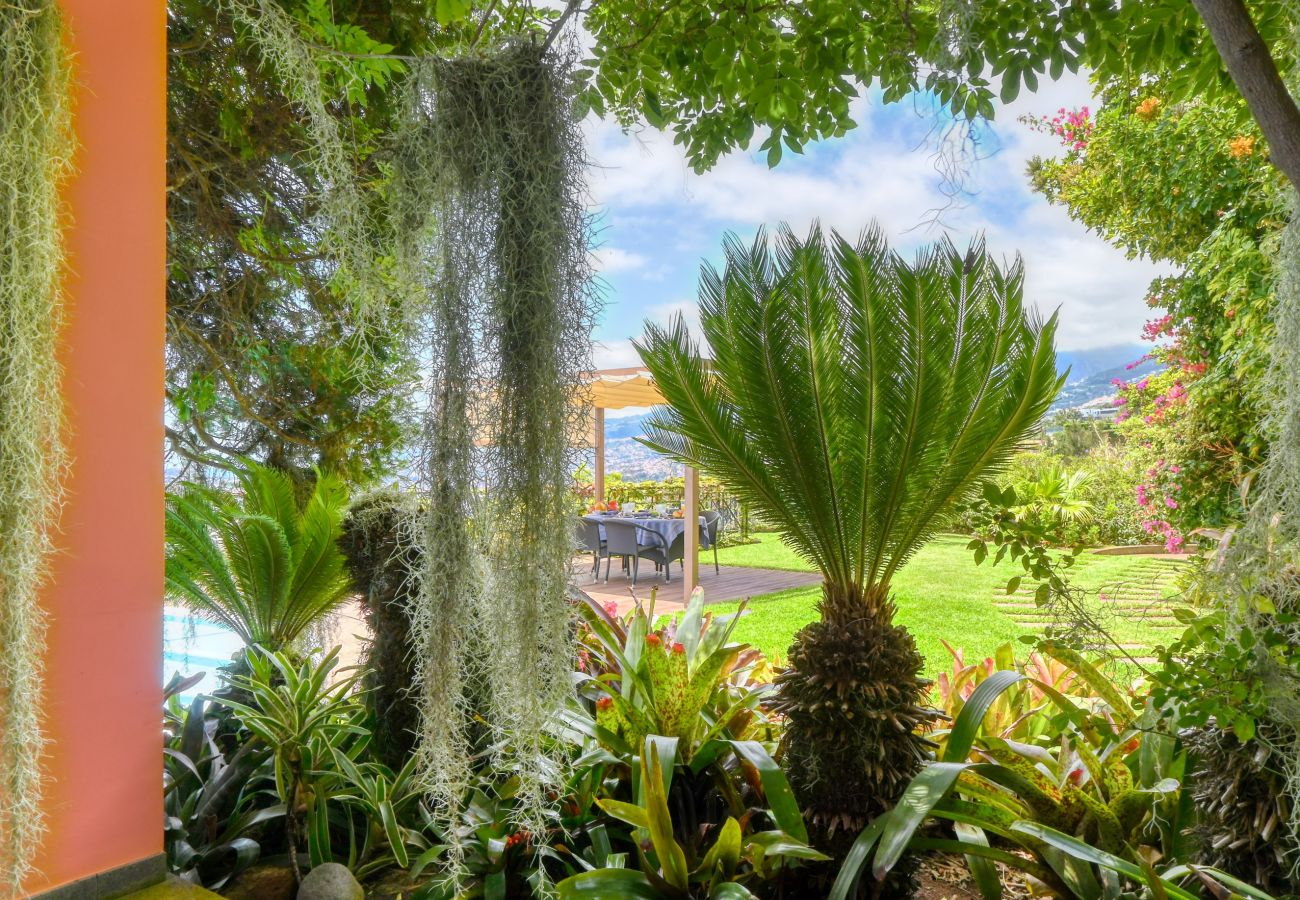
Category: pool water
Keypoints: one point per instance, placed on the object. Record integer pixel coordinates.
(192, 645)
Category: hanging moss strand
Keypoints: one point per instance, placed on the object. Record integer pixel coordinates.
(35, 146)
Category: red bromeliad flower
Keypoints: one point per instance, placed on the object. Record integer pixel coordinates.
(605, 703)
(519, 837)
(654, 640)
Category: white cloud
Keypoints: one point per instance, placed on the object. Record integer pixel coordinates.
(615, 354)
(609, 260)
(879, 176)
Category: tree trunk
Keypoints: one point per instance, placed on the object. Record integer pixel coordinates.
(853, 698)
(1254, 71)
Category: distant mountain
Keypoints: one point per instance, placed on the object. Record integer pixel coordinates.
(1091, 375)
(1084, 364)
(1078, 391)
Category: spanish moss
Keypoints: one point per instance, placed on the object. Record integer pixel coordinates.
(35, 147)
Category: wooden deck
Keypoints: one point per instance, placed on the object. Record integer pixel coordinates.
(731, 583)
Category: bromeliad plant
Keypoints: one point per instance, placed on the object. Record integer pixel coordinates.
(678, 747)
(682, 859)
(216, 805)
(1083, 811)
(683, 680)
(852, 400)
(262, 564)
(302, 713)
(1021, 713)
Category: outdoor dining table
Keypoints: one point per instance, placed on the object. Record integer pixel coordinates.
(665, 527)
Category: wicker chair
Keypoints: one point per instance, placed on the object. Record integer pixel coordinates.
(589, 541)
(712, 520)
(623, 539)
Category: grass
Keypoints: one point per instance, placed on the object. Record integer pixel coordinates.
(941, 594)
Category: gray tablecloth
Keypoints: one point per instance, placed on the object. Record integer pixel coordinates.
(668, 529)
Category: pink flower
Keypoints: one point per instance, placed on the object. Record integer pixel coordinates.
(1142, 385)
(1171, 503)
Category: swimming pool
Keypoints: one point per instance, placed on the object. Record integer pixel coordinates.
(192, 645)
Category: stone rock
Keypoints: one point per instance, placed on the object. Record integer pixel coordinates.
(330, 881)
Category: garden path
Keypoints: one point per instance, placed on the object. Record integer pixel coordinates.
(1143, 595)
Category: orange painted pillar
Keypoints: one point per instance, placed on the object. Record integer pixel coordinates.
(103, 794)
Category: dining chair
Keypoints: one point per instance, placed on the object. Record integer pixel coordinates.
(712, 520)
(663, 553)
(589, 541)
(624, 539)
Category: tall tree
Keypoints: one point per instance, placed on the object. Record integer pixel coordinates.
(721, 73)
(262, 358)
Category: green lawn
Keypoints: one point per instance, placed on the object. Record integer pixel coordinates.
(942, 594)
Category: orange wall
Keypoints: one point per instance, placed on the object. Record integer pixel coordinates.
(103, 796)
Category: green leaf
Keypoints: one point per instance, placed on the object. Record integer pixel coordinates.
(982, 869)
(1244, 727)
(613, 884)
(1087, 853)
(393, 831)
(924, 792)
(630, 813)
(966, 727)
(448, 12)
(846, 882)
(672, 859)
(723, 857)
(776, 789)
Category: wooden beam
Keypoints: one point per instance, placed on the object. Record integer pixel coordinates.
(599, 443)
(691, 561)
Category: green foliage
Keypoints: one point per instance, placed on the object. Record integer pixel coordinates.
(1071, 434)
(1103, 489)
(36, 146)
(264, 359)
(384, 563)
(214, 804)
(1085, 803)
(1187, 183)
(719, 76)
(262, 564)
(852, 400)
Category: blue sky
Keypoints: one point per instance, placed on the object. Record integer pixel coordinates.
(658, 220)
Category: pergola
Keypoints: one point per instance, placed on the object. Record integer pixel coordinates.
(635, 386)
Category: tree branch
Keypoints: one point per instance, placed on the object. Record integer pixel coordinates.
(1254, 71)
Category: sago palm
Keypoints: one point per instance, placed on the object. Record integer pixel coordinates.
(260, 563)
(852, 399)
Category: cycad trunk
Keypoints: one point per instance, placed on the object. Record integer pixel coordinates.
(853, 697)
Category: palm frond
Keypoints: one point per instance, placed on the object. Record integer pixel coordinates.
(258, 563)
(852, 397)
